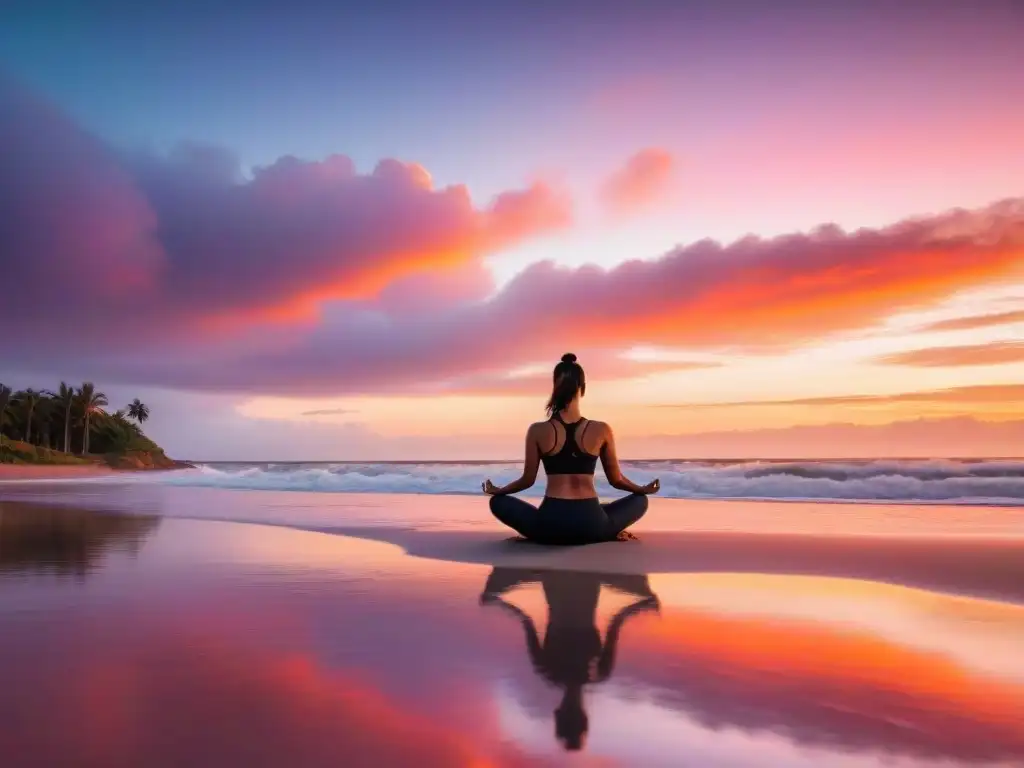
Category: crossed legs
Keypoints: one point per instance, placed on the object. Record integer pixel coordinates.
(623, 512)
(530, 522)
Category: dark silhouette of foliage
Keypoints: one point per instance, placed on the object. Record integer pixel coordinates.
(36, 424)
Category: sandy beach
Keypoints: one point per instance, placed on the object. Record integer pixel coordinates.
(12, 472)
(53, 471)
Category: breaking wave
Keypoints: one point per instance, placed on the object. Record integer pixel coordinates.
(979, 482)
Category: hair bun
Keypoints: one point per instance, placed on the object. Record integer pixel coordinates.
(568, 357)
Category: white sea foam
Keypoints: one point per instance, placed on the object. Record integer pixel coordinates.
(923, 481)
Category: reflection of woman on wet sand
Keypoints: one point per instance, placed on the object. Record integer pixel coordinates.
(571, 654)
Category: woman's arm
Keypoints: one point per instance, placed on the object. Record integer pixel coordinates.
(533, 645)
(503, 580)
(530, 466)
(612, 470)
(606, 662)
(630, 584)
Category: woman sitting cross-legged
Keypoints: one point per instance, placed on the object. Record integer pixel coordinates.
(569, 447)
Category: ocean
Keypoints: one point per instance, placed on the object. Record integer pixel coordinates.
(921, 481)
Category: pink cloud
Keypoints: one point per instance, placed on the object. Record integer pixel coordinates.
(751, 295)
(140, 242)
(646, 178)
(310, 277)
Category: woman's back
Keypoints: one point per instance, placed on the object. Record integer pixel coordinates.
(569, 447)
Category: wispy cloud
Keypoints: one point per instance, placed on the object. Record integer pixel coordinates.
(328, 412)
(983, 393)
(960, 436)
(993, 353)
(977, 321)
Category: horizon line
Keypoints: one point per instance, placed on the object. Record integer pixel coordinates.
(707, 460)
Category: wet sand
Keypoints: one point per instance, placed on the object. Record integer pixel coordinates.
(961, 550)
(981, 568)
(149, 640)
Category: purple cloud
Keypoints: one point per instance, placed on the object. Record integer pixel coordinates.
(140, 246)
(312, 278)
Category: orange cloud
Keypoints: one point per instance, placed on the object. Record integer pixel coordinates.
(784, 291)
(994, 353)
(977, 321)
(646, 178)
(754, 294)
(446, 257)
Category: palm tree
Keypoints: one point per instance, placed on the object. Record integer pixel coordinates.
(65, 397)
(29, 399)
(5, 399)
(138, 410)
(91, 402)
(45, 409)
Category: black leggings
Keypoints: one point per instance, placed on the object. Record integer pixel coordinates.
(569, 521)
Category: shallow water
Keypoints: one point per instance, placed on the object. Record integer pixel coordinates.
(156, 641)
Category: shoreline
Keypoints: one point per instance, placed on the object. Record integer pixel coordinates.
(71, 471)
(677, 459)
(14, 473)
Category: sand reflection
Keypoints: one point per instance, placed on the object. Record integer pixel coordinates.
(66, 542)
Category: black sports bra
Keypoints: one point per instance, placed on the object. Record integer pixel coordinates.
(571, 459)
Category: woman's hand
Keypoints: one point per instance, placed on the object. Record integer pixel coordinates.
(652, 487)
(652, 603)
(490, 488)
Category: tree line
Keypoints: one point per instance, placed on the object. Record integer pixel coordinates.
(72, 419)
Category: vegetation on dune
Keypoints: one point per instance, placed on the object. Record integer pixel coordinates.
(43, 427)
(20, 452)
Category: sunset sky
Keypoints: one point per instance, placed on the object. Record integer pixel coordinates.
(304, 231)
